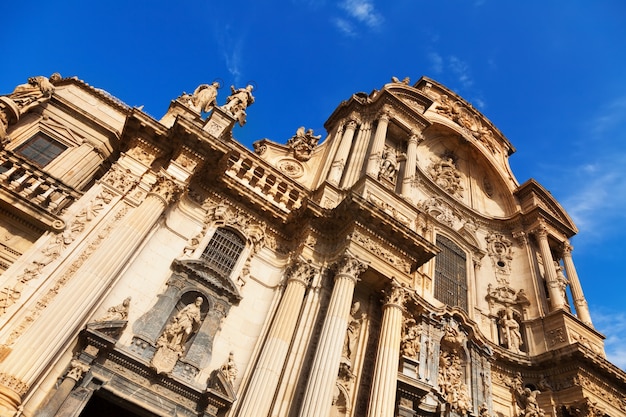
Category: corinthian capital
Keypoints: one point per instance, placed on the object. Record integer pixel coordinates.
(166, 188)
(350, 265)
(396, 294)
(302, 272)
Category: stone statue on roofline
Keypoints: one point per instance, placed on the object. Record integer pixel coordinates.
(303, 143)
(204, 98)
(238, 102)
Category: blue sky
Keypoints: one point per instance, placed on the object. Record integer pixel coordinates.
(550, 75)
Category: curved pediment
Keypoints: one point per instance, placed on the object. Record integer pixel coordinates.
(202, 273)
(532, 196)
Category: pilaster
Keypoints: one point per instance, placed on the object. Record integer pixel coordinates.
(383, 394)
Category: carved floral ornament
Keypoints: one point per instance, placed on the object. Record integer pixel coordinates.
(500, 252)
(250, 227)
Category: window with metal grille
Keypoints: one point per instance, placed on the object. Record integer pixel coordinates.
(223, 251)
(450, 274)
(40, 149)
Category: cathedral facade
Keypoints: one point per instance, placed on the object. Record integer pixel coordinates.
(393, 268)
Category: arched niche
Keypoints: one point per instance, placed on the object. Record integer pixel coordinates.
(453, 165)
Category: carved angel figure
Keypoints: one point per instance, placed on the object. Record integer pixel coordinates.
(388, 165)
(410, 345)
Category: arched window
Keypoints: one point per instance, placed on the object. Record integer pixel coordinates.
(451, 274)
(222, 252)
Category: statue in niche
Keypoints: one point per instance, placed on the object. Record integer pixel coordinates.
(410, 344)
(352, 333)
(511, 335)
(118, 312)
(204, 98)
(389, 165)
(445, 174)
(181, 327)
(238, 102)
(171, 343)
(561, 281)
(303, 143)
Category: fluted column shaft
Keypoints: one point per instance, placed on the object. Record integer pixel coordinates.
(260, 394)
(582, 310)
(556, 298)
(342, 153)
(409, 168)
(32, 352)
(318, 394)
(373, 164)
(383, 394)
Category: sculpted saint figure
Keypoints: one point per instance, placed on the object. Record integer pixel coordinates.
(204, 97)
(512, 335)
(118, 312)
(35, 88)
(182, 326)
(352, 333)
(238, 102)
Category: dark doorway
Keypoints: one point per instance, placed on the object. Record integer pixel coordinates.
(112, 406)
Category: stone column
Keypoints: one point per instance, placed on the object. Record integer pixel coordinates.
(383, 394)
(31, 354)
(319, 389)
(373, 165)
(556, 298)
(77, 369)
(262, 388)
(341, 157)
(409, 167)
(582, 310)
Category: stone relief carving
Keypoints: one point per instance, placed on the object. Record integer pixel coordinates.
(118, 312)
(291, 168)
(440, 210)
(388, 255)
(303, 143)
(410, 346)
(77, 370)
(254, 230)
(56, 246)
(238, 102)
(119, 179)
(388, 208)
(389, 165)
(500, 252)
(445, 174)
(471, 124)
(451, 382)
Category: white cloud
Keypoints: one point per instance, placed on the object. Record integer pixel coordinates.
(363, 11)
(436, 62)
(613, 325)
(610, 118)
(460, 70)
(231, 49)
(344, 26)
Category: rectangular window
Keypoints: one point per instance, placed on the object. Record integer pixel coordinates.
(450, 274)
(40, 149)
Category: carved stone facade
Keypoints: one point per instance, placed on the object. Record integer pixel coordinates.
(393, 268)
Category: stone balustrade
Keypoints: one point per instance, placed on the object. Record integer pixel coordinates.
(263, 182)
(33, 184)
